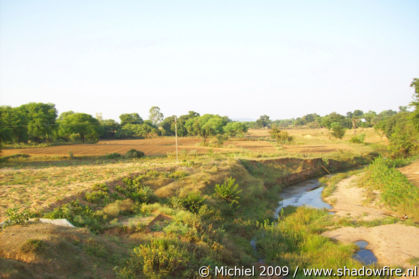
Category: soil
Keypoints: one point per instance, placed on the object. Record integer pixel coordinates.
(392, 244)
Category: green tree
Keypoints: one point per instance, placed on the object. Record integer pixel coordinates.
(263, 121)
(228, 192)
(40, 120)
(130, 118)
(338, 131)
(155, 115)
(110, 129)
(235, 129)
(83, 125)
(13, 125)
(415, 102)
(168, 126)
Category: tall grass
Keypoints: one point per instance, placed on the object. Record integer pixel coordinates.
(396, 191)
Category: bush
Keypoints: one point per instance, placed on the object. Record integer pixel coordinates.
(280, 136)
(192, 202)
(228, 192)
(158, 259)
(358, 139)
(16, 217)
(134, 154)
(113, 156)
(338, 131)
(135, 190)
(119, 207)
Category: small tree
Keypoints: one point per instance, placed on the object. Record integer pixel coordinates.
(280, 136)
(338, 131)
(155, 115)
(228, 192)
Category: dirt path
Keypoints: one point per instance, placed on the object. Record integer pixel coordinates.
(349, 200)
(412, 172)
(394, 244)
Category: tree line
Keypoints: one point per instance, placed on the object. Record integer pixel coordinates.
(39, 122)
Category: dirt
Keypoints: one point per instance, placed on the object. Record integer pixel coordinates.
(392, 244)
(349, 200)
(412, 172)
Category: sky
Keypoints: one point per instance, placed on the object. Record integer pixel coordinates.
(230, 57)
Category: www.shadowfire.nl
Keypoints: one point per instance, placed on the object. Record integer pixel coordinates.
(363, 271)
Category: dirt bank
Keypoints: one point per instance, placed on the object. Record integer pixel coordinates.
(394, 244)
(412, 172)
(349, 200)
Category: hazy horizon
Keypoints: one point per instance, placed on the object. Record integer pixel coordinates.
(236, 58)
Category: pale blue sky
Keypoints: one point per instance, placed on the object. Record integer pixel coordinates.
(237, 58)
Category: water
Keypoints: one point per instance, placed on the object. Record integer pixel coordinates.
(365, 256)
(307, 193)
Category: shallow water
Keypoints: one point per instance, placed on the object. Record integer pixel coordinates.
(307, 193)
(365, 256)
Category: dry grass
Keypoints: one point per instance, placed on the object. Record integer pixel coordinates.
(310, 141)
(34, 186)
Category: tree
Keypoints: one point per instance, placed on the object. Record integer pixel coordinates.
(40, 120)
(82, 125)
(263, 121)
(280, 136)
(338, 131)
(168, 126)
(415, 102)
(235, 129)
(13, 125)
(206, 125)
(130, 118)
(110, 129)
(155, 115)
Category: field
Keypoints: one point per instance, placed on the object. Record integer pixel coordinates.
(256, 142)
(139, 207)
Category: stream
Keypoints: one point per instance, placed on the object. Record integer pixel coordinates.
(309, 193)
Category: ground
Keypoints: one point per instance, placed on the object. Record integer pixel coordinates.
(411, 171)
(392, 244)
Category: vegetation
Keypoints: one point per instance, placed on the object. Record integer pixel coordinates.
(396, 191)
(280, 136)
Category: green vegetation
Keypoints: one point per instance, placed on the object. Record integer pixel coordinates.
(337, 130)
(396, 191)
(295, 240)
(228, 192)
(280, 136)
(358, 138)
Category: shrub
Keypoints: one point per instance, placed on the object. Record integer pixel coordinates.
(119, 207)
(228, 192)
(280, 136)
(358, 139)
(132, 153)
(192, 202)
(16, 217)
(135, 190)
(159, 259)
(100, 194)
(113, 156)
(338, 131)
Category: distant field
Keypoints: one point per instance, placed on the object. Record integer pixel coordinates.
(257, 141)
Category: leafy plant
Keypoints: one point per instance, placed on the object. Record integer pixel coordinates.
(228, 192)
(16, 217)
(338, 131)
(132, 153)
(192, 202)
(358, 138)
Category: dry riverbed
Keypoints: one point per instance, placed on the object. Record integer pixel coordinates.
(393, 244)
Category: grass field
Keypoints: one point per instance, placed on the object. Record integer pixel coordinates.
(147, 203)
(256, 142)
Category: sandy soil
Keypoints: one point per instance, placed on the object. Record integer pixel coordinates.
(393, 244)
(349, 200)
(412, 172)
